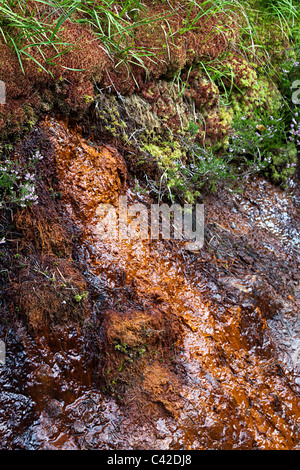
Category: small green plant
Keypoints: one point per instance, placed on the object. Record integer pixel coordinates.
(130, 353)
(18, 182)
(121, 347)
(80, 297)
(88, 99)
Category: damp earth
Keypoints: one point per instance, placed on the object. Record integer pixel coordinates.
(142, 344)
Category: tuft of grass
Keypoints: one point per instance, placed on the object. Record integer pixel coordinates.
(33, 29)
(25, 31)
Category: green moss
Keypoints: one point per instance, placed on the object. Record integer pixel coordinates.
(80, 297)
(263, 94)
(167, 155)
(31, 117)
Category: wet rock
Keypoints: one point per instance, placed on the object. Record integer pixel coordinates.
(16, 413)
(54, 408)
(78, 427)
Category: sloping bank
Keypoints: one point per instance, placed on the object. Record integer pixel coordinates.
(138, 344)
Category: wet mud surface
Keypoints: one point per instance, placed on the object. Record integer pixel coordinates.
(170, 349)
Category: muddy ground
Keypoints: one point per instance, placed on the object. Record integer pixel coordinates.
(137, 345)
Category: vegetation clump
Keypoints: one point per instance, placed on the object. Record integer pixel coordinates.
(172, 81)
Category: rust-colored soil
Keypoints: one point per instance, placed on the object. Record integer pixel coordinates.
(177, 350)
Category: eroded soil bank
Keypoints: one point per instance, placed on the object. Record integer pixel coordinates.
(135, 344)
